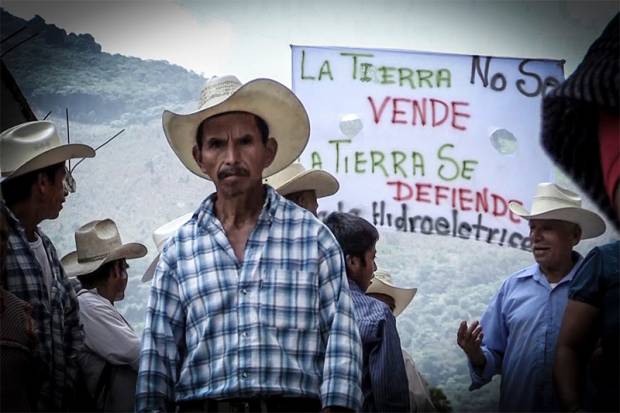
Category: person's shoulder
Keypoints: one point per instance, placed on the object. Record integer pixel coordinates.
(373, 309)
(610, 250)
(519, 277)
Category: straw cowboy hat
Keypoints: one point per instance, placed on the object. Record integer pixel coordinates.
(160, 236)
(554, 202)
(284, 114)
(35, 145)
(98, 243)
(295, 178)
(382, 284)
(570, 116)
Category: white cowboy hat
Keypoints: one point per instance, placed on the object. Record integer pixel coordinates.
(554, 202)
(284, 114)
(98, 243)
(382, 284)
(160, 236)
(295, 178)
(35, 145)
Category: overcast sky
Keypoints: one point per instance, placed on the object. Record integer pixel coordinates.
(251, 38)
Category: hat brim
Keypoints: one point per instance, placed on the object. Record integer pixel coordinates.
(590, 223)
(150, 271)
(74, 268)
(402, 296)
(323, 183)
(52, 156)
(273, 102)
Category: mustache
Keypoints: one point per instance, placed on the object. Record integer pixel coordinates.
(233, 170)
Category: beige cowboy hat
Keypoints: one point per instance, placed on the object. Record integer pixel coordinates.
(295, 178)
(98, 243)
(35, 145)
(284, 114)
(382, 284)
(160, 236)
(554, 202)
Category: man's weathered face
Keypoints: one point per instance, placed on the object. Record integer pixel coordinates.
(387, 299)
(233, 153)
(305, 199)
(53, 193)
(553, 242)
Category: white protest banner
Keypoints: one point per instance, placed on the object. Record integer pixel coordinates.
(426, 142)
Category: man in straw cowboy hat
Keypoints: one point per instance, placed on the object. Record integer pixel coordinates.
(100, 264)
(397, 299)
(384, 380)
(33, 186)
(302, 186)
(249, 306)
(517, 334)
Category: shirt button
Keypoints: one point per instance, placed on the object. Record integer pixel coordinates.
(244, 291)
(244, 374)
(245, 334)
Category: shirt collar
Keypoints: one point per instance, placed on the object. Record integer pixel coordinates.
(535, 272)
(353, 287)
(205, 215)
(15, 222)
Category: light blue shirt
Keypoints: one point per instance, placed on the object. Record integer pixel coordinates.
(521, 327)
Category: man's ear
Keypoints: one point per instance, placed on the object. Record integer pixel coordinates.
(577, 235)
(197, 154)
(272, 148)
(42, 184)
(352, 261)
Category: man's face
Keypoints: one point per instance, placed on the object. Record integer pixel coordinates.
(553, 242)
(233, 153)
(119, 279)
(365, 268)
(305, 199)
(53, 194)
(387, 299)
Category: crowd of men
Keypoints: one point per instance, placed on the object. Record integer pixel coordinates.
(257, 305)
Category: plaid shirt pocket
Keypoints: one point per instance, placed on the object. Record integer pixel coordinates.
(290, 300)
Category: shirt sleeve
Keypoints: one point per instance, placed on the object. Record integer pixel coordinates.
(162, 342)
(107, 333)
(587, 286)
(74, 336)
(342, 368)
(387, 369)
(493, 343)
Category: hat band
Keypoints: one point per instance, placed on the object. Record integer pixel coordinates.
(91, 259)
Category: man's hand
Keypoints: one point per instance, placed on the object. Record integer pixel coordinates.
(470, 340)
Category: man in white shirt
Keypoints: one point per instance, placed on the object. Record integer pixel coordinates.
(109, 361)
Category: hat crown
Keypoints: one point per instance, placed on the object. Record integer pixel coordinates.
(218, 89)
(161, 234)
(96, 240)
(550, 196)
(23, 142)
(285, 175)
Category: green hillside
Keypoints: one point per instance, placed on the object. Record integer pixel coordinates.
(57, 70)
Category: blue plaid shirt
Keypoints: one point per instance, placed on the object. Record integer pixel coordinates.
(56, 315)
(279, 323)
